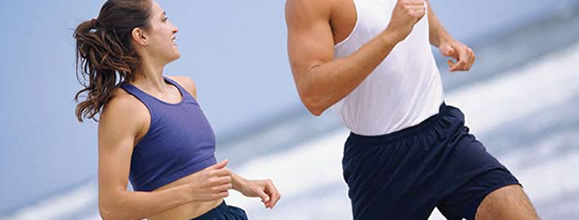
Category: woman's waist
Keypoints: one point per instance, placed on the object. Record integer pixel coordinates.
(189, 210)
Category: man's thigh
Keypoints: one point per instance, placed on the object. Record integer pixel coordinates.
(509, 202)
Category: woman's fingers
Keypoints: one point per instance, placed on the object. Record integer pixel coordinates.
(264, 197)
(273, 193)
(221, 188)
(216, 181)
(220, 172)
(218, 166)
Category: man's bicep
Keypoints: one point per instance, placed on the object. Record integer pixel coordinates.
(310, 41)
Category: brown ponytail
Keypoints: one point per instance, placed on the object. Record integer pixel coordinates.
(104, 52)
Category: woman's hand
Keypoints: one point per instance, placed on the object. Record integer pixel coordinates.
(211, 183)
(263, 189)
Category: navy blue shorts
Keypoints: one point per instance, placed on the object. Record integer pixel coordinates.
(406, 174)
(223, 212)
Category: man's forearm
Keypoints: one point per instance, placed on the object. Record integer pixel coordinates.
(328, 83)
(438, 34)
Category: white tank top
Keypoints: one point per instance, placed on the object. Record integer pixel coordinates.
(404, 90)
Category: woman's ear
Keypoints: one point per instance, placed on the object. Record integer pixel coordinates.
(140, 37)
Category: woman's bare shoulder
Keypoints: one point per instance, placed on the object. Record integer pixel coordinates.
(123, 106)
(187, 83)
(121, 99)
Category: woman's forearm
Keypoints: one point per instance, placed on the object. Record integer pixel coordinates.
(140, 205)
(238, 182)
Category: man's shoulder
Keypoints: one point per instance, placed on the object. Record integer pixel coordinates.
(312, 6)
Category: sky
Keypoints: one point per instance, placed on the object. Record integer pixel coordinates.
(234, 50)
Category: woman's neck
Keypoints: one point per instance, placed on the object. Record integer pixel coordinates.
(150, 77)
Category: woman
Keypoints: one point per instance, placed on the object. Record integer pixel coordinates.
(151, 129)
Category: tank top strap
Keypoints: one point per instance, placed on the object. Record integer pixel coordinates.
(148, 99)
(185, 94)
(173, 82)
(139, 94)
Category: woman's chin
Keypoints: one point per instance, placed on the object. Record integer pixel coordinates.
(176, 55)
(174, 58)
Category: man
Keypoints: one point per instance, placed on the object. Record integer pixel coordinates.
(407, 152)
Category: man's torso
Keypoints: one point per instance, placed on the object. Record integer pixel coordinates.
(404, 89)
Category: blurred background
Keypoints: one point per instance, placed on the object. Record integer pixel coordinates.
(521, 99)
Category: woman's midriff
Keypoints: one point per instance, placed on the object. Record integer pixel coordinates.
(189, 210)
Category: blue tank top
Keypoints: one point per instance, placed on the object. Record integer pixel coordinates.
(179, 141)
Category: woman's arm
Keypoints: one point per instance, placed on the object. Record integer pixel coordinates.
(123, 119)
(257, 188)
(251, 188)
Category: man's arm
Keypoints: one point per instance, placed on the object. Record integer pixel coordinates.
(322, 81)
(437, 32)
(448, 46)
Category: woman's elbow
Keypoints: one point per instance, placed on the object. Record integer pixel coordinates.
(104, 213)
(107, 213)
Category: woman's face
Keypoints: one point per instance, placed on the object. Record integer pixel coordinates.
(161, 36)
